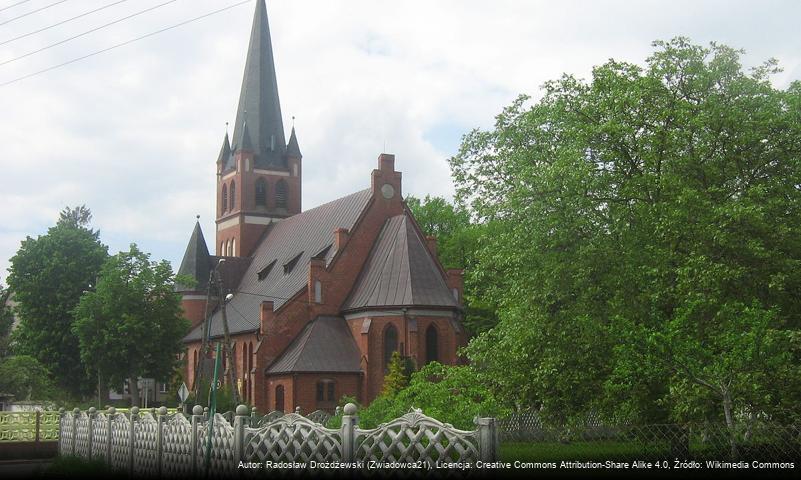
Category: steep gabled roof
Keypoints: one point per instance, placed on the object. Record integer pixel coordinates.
(400, 272)
(196, 263)
(293, 149)
(307, 233)
(324, 345)
(258, 98)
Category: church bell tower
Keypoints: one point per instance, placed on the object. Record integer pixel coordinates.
(258, 172)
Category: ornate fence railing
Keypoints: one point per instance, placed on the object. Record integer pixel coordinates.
(29, 426)
(170, 445)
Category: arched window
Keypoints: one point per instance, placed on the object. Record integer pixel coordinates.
(432, 344)
(194, 362)
(390, 344)
(233, 195)
(261, 193)
(233, 247)
(222, 249)
(224, 199)
(280, 194)
(279, 398)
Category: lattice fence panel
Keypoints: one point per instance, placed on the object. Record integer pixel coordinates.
(266, 419)
(319, 416)
(222, 446)
(177, 456)
(292, 438)
(65, 440)
(17, 426)
(82, 435)
(414, 437)
(145, 448)
(99, 435)
(48, 426)
(120, 437)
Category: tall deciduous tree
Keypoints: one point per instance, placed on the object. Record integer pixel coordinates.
(647, 227)
(131, 325)
(6, 321)
(48, 275)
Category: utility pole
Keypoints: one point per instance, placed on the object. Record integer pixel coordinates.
(204, 348)
(227, 337)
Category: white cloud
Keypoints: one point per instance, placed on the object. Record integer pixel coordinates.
(134, 133)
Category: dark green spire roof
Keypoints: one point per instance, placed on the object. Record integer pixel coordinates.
(225, 151)
(258, 100)
(292, 149)
(196, 262)
(244, 141)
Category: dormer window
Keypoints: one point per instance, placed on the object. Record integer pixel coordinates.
(288, 266)
(266, 271)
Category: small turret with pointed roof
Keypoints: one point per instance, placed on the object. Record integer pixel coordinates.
(292, 148)
(243, 141)
(225, 154)
(196, 263)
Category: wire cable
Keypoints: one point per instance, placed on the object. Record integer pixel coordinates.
(98, 52)
(32, 12)
(83, 34)
(14, 5)
(62, 22)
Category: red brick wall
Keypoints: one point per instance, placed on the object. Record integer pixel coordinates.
(194, 310)
(300, 390)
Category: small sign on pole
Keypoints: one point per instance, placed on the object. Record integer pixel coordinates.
(183, 392)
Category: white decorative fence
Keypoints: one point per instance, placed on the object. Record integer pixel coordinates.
(158, 444)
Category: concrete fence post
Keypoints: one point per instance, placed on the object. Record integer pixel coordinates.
(61, 433)
(348, 432)
(162, 411)
(112, 413)
(38, 425)
(197, 417)
(75, 414)
(240, 422)
(487, 439)
(132, 439)
(91, 434)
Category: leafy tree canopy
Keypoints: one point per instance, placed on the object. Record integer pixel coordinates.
(645, 240)
(131, 325)
(27, 379)
(6, 321)
(48, 274)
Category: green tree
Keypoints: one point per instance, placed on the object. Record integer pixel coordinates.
(646, 229)
(48, 275)
(6, 321)
(131, 325)
(396, 378)
(27, 379)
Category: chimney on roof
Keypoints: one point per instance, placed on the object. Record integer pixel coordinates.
(431, 241)
(341, 236)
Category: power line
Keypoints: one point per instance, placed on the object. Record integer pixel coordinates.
(61, 42)
(14, 5)
(98, 52)
(31, 13)
(62, 22)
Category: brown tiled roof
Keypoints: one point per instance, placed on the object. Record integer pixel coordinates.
(307, 234)
(324, 345)
(400, 272)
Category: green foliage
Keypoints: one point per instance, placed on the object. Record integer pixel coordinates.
(397, 377)
(451, 394)
(6, 321)
(132, 324)
(27, 379)
(642, 242)
(48, 275)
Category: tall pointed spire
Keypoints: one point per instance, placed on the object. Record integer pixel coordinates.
(292, 148)
(258, 99)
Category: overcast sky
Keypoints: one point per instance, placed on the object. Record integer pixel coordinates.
(134, 133)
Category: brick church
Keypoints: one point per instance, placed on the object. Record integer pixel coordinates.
(317, 300)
